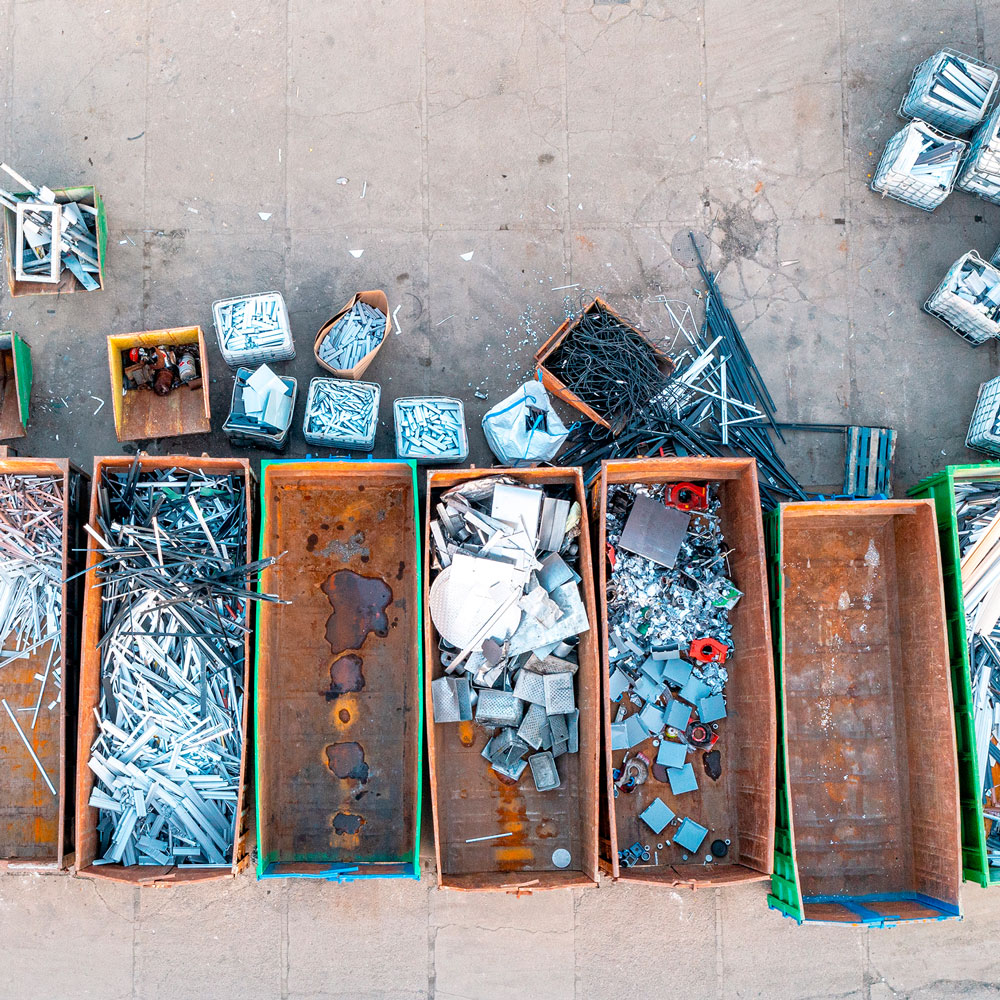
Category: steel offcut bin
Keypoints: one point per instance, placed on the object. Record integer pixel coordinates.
(36, 827)
(490, 834)
(739, 807)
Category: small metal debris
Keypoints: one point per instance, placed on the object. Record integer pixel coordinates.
(253, 329)
(31, 582)
(430, 428)
(501, 631)
(174, 585)
(342, 413)
(669, 638)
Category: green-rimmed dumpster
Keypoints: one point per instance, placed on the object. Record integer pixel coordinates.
(338, 696)
(940, 488)
(867, 815)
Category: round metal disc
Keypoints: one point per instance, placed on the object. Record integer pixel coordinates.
(561, 857)
(683, 252)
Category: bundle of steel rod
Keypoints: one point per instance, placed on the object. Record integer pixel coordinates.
(977, 506)
(609, 365)
(714, 403)
(31, 579)
(174, 583)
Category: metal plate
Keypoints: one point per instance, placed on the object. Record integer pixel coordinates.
(683, 251)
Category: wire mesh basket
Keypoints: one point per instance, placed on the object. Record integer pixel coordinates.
(348, 409)
(430, 429)
(971, 322)
(927, 97)
(253, 329)
(895, 173)
(984, 427)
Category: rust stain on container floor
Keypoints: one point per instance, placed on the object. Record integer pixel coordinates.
(347, 760)
(346, 824)
(346, 675)
(359, 604)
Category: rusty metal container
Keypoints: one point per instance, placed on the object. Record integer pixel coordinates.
(338, 691)
(740, 806)
(36, 827)
(868, 821)
(471, 801)
(90, 689)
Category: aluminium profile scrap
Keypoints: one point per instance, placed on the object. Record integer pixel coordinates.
(977, 509)
(174, 584)
(31, 581)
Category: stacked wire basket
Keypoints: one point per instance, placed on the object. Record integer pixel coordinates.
(949, 95)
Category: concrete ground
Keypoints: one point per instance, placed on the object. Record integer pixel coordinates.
(561, 144)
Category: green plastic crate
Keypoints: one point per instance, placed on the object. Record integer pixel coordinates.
(940, 488)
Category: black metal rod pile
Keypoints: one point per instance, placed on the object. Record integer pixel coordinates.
(609, 365)
(174, 584)
(693, 426)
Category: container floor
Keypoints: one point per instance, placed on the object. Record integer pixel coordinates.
(845, 728)
(338, 776)
(29, 812)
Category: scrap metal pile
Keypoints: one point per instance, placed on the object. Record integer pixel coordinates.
(978, 519)
(714, 402)
(162, 368)
(506, 602)
(608, 365)
(669, 599)
(52, 236)
(174, 583)
(31, 580)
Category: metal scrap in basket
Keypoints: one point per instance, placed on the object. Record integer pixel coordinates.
(353, 337)
(506, 602)
(253, 329)
(342, 413)
(174, 586)
(430, 429)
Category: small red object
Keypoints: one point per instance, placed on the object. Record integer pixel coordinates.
(708, 651)
(611, 555)
(133, 355)
(686, 496)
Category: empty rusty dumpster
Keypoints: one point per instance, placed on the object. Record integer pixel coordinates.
(738, 807)
(494, 833)
(36, 821)
(96, 687)
(868, 825)
(338, 694)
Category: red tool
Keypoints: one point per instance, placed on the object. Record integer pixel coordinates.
(708, 650)
(686, 496)
(611, 554)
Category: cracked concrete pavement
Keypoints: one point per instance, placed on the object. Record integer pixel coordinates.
(564, 144)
